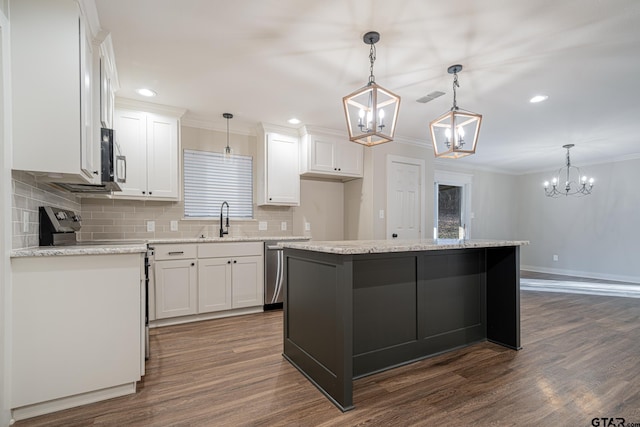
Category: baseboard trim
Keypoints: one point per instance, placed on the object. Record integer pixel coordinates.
(585, 274)
(590, 288)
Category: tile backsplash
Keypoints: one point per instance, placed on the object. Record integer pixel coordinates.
(28, 195)
(105, 219)
(114, 219)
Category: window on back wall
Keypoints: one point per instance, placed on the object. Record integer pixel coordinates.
(210, 179)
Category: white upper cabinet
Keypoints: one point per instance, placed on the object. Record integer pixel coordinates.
(329, 154)
(151, 144)
(52, 83)
(277, 166)
(108, 78)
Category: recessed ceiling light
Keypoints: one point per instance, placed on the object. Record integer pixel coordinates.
(146, 92)
(294, 121)
(538, 98)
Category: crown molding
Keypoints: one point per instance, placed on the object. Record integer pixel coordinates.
(149, 107)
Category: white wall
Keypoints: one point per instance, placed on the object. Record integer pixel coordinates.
(365, 198)
(5, 221)
(322, 206)
(492, 202)
(594, 236)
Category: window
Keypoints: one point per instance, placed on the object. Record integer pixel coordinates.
(211, 179)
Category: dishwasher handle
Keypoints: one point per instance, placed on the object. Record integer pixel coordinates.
(274, 248)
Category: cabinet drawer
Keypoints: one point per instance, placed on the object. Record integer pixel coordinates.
(214, 250)
(165, 252)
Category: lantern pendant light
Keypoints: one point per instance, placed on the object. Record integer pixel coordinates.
(371, 111)
(455, 133)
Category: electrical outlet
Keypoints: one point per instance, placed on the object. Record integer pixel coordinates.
(307, 226)
(151, 226)
(25, 221)
(283, 226)
(555, 257)
(262, 225)
(174, 225)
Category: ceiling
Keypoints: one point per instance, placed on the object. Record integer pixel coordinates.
(270, 60)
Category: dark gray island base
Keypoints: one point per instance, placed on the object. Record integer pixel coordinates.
(352, 309)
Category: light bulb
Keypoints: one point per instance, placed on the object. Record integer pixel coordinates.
(554, 181)
(591, 181)
(447, 133)
(584, 179)
(361, 113)
(546, 184)
(460, 132)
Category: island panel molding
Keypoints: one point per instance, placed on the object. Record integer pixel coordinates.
(354, 308)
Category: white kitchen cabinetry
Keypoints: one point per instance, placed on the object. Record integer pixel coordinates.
(52, 103)
(231, 275)
(176, 288)
(207, 280)
(108, 78)
(277, 168)
(77, 330)
(330, 155)
(150, 143)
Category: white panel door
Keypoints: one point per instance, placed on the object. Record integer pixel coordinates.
(248, 281)
(162, 160)
(404, 199)
(130, 136)
(214, 284)
(283, 176)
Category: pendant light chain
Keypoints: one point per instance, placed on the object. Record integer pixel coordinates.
(372, 59)
(455, 84)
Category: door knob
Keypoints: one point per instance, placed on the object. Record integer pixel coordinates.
(394, 235)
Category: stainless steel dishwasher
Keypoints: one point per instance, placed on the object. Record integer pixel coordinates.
(273, 274)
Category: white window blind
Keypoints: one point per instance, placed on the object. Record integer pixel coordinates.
(209, 180)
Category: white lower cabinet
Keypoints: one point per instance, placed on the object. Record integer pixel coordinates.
(176, 288)
(212, 277)
(214, 284)
(77, 330)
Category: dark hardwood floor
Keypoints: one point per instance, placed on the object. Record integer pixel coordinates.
(580, 360)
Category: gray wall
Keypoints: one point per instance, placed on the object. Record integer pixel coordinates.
(595, 236)
(492, 202)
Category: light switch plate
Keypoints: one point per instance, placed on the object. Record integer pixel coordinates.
(151, 226)
(381, 214)
(174, 225)
(307, 226)
(262, 225)
(283, 226)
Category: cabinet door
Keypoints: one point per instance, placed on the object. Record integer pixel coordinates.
(48, 64)
(349, 158)
(130, 135)
(322, 155)
(88, 144)
(247, 281)
(162, 156)
(283, 177)
(176, 288)
(214, 284)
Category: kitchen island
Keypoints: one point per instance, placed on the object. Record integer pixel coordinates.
(354, 308)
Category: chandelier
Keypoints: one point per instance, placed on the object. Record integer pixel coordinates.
(371, 111)
(575, 184)
(455, 133)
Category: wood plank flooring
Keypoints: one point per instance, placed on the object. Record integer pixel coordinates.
(580, 360)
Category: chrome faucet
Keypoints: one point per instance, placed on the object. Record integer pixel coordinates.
(222, 231)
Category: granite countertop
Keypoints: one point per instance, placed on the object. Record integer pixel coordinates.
(97, 247)
(228, 239)
(92, 249)
(353, 247)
